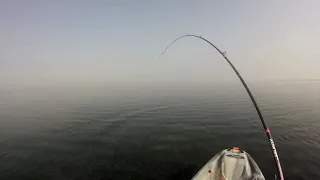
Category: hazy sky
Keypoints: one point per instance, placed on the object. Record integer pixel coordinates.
(119, 41)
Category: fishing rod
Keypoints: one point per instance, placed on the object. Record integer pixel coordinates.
(265, 126)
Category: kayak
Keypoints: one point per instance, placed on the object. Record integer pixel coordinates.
(230, 164)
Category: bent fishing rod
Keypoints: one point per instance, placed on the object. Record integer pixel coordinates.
(265, 126)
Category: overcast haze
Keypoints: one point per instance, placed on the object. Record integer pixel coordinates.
(119, 41)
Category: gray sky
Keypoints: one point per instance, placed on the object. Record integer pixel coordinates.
(119, 41)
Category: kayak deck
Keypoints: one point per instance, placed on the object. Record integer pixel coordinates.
(230, 164)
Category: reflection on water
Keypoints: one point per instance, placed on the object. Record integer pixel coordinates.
(154, 133)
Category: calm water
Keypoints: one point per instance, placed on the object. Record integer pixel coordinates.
(154, 133)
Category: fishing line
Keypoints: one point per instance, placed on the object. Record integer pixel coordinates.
(265, 126)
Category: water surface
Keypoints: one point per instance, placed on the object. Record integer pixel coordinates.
(154, 133)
